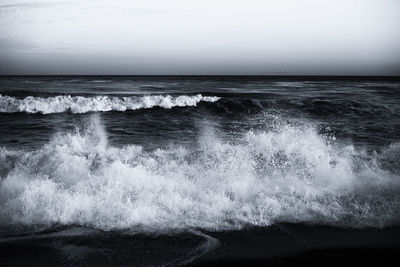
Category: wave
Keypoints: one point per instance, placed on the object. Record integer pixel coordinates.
(80, 104)
(289, 173)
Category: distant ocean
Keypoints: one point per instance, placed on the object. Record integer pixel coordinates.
(165, 171)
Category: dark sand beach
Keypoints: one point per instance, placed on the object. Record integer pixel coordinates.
(273, 246)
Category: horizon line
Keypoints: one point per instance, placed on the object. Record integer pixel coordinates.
(203, 75)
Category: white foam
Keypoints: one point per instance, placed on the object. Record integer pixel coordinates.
(289, 174)
(80, 104)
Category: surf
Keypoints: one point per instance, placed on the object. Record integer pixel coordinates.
(289, 173)
(81, 104)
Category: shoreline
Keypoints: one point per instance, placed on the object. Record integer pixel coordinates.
(281, 244)
(292, 243)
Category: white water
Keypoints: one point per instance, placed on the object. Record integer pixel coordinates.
(289, 174)
(80, 104)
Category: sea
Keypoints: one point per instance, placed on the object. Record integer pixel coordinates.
(198, 170)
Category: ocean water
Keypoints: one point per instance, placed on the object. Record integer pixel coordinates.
(165, 155)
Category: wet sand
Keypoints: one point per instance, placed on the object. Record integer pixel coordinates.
(276, 245)
(299, 244)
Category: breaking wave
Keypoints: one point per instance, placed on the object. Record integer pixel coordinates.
(80, 104)
(290, 173)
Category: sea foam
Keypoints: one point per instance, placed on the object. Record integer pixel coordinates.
(80, 104)
(286, 174)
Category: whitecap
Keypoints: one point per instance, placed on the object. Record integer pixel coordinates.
(288, 174)
(81, 104)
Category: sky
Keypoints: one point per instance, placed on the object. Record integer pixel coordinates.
(200, 37)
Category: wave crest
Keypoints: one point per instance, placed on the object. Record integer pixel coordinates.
(289, 174)
(80, 104)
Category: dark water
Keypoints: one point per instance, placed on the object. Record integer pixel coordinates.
(185, 156)
(360, 111)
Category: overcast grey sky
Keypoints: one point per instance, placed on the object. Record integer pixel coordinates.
(305, 37)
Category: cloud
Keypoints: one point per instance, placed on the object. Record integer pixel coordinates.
(37, 4)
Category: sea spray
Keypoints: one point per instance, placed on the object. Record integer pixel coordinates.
(289, 173)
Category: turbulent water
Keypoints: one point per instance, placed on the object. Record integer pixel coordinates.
(154, 154)
(79, 104)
